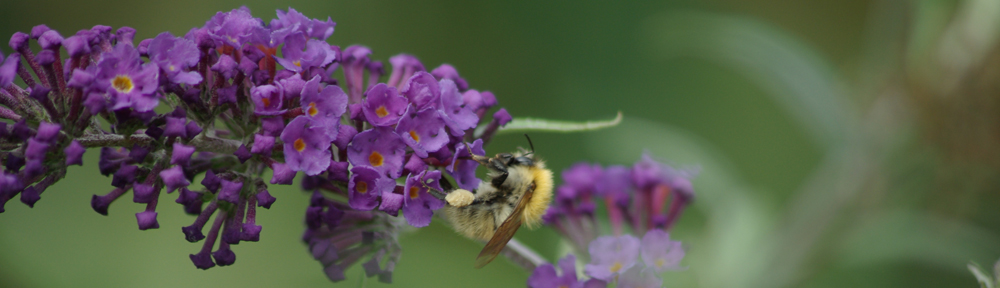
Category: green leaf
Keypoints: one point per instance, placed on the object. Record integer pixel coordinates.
(545, 125)
(985, 281)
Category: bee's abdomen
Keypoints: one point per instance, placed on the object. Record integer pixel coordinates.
(473, 221)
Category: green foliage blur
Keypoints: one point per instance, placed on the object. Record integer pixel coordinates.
(850, 143)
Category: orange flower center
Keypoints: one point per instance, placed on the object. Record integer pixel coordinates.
(267, 102)
(122, 83)
(299, 145)
(413, 134)
(297, 63)
(616, 266)
(414, 192)
(361, 186)
(375, 158)
(312, 109)
(381, 112)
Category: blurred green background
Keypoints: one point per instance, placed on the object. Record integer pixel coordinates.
(842, 143)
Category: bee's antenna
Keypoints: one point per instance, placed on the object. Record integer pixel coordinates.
(529, 143)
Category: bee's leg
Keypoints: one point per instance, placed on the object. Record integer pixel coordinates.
(498, 166)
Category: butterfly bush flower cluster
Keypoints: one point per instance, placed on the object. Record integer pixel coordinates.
(648, 195)
(616, 260)
(646, 198)
(209, 114)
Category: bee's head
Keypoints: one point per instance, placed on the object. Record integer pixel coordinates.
(516, 159)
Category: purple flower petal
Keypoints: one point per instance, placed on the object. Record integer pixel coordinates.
(383, 106)
(307, 149)
(423, 131)
(611, 256)
(378, 148)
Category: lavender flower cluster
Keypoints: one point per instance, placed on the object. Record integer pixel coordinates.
(235, 108)
(648, 195)
(614, 260)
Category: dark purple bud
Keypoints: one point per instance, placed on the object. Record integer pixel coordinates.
(262, 145)
(40, 93)
(46, 57)
(125, 35)
(30, 195)
(38, 30)
(50, 40)
(33, 168)
(147, 220)
(264, 199)
(251, 232)
(143, 193)
(272, 126)
(225, 66)
(192, 130)
(446, 71)
(181, 154)
(15, 163)
(21, 131)
(347, 132)
(36, 149)
(371, 267)
(193, 234)
(227, 94)
(202, 260)
(74, 153)
(314, 217)
(502, 117)
(124, 176)
(138, 153)
(282, 174)
(242, 153)
(175, 127)
(211, 182)
(77, 45)
(143, 47)
(101, 203)
(230, 191)
(338, 171)
(174, 178)
(18, 41)
(224, 256)
(8, 70)
(154, 132)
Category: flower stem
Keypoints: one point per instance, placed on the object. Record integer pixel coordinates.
(522, 255)
(201, 142)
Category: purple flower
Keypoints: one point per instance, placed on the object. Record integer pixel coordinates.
(301, 54)
(173, 55)
(611, 255)
(423, 131)
(464, 170)
(227, 67)
(419, 204)
(307, 149)
(74, 153)
(380, 149)
(143, 193)
(458, 117)
(383, 106)
(324, 106)
(422, 90)
(354, 59)
(235, 28)
(545, 276)
(129, 83)
(659, 253)
(366, 185)
(293, 21)
(264, 199)
(8, 70)
(638, 277)
(267, 100)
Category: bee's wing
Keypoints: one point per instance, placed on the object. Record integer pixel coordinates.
(505, 232)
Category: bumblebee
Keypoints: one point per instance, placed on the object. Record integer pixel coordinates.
(517, 192)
